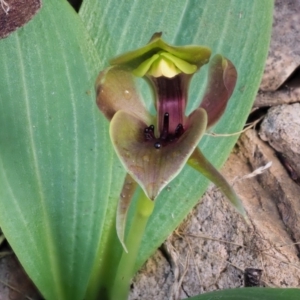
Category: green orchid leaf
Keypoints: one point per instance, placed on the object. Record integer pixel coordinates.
(58, 172)
(239, 30)
(251, 294)
(153, 167)
(222, 77)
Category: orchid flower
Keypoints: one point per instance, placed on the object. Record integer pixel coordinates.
(154, 149)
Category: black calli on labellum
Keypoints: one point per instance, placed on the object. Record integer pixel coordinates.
(154, 149)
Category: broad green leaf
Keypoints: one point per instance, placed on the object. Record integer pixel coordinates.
(57, 169)
(251, 294)
(239, 30)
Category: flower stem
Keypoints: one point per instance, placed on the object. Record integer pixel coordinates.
(125, 271)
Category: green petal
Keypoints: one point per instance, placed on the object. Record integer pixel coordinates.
(144, 67)
(163, 67)
(164, 64)
(115, 89)
(126, 195)
(201, 164)
(221, 82)
(196, 55)
(153, 168)
(182, 65)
